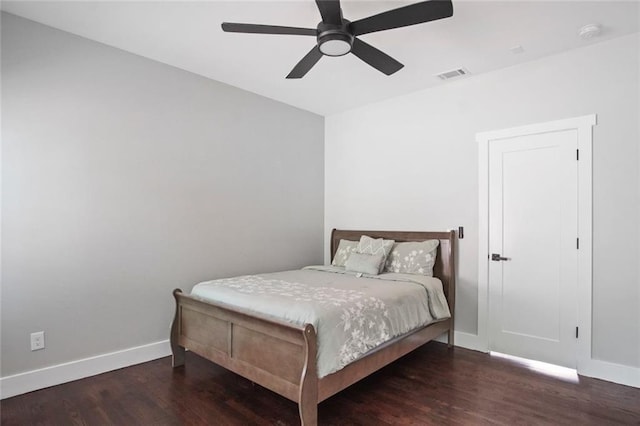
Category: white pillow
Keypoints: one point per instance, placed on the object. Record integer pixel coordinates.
(413, 258)
(366, 263)
(368, 245)
(345, 248)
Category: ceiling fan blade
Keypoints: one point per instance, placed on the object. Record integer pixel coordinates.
(306, 63)
(330, 11)
(417, 13)
(374, 57)
(231, 27)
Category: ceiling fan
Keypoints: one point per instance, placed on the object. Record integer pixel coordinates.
(336, 36)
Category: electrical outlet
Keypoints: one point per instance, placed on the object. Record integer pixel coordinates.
(37, 341)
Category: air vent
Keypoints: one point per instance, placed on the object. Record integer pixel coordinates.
(453, 74)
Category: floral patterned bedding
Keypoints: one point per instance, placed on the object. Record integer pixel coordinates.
(351, 314)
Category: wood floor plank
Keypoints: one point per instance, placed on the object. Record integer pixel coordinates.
(431, 386)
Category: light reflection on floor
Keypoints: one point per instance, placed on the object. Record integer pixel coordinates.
(562, 373)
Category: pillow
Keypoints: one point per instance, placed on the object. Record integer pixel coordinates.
(413, 258)
(368, 245)
(366, 263)
(345, 248)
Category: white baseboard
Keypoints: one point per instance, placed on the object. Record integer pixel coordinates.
(469, 341)
(617, 373)
(74, 370)
(464, 340)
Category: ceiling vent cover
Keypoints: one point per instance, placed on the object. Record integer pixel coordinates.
(448, 75)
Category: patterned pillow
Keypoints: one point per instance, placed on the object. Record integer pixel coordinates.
(368, 245)
(365, 263)
(413, 258)
(345, 248)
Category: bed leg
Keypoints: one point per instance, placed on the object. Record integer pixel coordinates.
(177, 351)
(308, 396)
(450, 338)
(309, 414)
(177, 356)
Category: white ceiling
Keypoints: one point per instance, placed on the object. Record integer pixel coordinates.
(187, 35)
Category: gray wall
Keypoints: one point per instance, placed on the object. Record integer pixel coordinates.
(124, 178)
(412, 163)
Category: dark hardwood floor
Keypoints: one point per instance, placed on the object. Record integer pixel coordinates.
(432, 385)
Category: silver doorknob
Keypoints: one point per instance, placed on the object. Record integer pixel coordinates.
(497, 258)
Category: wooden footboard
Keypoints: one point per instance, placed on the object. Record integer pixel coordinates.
(277, 355)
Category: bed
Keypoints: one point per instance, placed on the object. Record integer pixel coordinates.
(281, 355)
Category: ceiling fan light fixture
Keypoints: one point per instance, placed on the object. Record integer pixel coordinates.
(335, 44)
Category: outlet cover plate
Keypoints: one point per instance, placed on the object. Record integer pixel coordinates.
(37, 341)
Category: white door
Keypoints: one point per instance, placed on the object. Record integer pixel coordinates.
(533, 230)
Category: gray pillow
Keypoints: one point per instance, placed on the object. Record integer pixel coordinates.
(368, 245)
(365, 263)
(413, 258)
(345, 248)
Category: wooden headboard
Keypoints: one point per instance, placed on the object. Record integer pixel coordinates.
(444, 268)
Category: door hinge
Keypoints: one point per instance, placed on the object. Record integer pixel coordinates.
(576, 332)
(577, 155)
(577, 243)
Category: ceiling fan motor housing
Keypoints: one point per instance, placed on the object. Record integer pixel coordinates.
(335, 40)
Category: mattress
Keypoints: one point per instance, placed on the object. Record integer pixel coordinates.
(351, 313)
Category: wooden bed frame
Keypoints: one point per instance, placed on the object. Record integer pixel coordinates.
(282, 356)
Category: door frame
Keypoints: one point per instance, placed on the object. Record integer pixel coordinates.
(584, 127)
